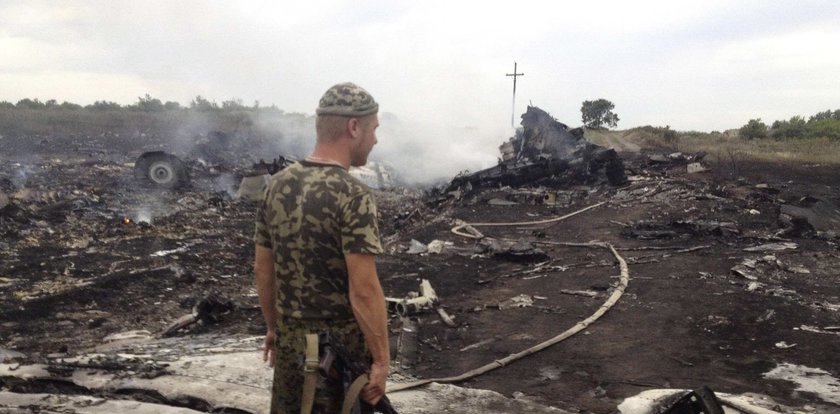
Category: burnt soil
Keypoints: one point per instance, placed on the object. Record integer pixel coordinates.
(72, 271)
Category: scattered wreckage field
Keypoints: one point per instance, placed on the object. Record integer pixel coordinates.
(729, 278)
(687, 318)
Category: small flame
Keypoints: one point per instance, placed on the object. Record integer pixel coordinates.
(126, 220)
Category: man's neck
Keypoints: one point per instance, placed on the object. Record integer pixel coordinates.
(326, 155)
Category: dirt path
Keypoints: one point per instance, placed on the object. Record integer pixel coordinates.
(619, 143)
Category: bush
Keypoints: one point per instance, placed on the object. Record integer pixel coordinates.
(27, 103)
(202, 104)
(70, 106)
(148, 104)
(795, 128)
(826, 127)
(825, 124)
(753, 129)
(171, 106)
(819, 116)
(104, 106)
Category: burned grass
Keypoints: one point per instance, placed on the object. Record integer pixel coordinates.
(73, 271)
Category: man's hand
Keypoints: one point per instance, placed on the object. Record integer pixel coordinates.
(269, 350)
(267, 292)
(375, 388)
(368, 302)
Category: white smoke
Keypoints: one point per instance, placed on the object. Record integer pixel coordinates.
(424, 154)
(21, 174)
(226, 183)
(143, 215)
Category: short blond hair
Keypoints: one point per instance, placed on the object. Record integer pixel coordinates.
(329, 128)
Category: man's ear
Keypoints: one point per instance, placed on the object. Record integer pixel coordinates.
(354, 128)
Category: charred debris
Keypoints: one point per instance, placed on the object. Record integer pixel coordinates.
(546, 152)
(88, 258)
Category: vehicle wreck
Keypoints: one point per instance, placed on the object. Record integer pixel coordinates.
(546, 152)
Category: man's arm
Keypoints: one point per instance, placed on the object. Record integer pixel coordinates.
(267, 292)
(368, 302)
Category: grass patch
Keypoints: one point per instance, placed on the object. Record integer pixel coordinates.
(800, 150)
(725, 147)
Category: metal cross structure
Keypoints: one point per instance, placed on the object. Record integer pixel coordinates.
(513, 106)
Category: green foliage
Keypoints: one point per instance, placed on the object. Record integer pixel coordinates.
(104, 106)
(827, 127)
(819, 116)
(753, 129)
(233, 104)
(669, 134)
(825, 124)
(201, 104)
(598, 114)
(795, 128)
(27, 103)
(148, 104)
(70, 106)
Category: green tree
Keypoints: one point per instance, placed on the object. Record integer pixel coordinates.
(753, 129)
(598, 114)
(148, 104)
(828, 128)
(171, 106)
(232, 104)
(27, 103)
(104, 106)
(70, 105)
(819, 116)
(795, 128)
(202, 104)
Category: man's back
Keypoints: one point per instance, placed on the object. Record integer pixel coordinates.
(314, 261)
(313, 214)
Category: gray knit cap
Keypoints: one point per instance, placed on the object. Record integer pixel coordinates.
(347, 99)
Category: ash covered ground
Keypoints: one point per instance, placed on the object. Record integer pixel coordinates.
(730, 276)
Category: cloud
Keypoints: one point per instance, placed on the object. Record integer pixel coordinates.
(692, 65)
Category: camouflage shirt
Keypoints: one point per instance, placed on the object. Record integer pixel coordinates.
(312, 215)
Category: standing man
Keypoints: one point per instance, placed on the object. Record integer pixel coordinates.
(316, 240)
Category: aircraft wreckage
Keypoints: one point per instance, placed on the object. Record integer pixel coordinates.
(544, 152)
(95, 276)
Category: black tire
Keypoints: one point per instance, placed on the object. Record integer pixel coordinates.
(161, 170)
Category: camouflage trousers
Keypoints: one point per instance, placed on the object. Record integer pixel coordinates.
(288, 364)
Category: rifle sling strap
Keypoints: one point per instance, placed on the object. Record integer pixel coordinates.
(310, 374)
(351, 395)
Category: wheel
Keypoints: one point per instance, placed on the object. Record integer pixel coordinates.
(161, 169)
(162, 173)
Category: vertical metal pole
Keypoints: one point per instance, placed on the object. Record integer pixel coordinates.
(513, 105)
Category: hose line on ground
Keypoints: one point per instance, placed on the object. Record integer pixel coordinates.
(530, 223)
(619, 290)
(468, 230)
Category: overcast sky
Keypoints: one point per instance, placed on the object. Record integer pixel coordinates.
(693, 65)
